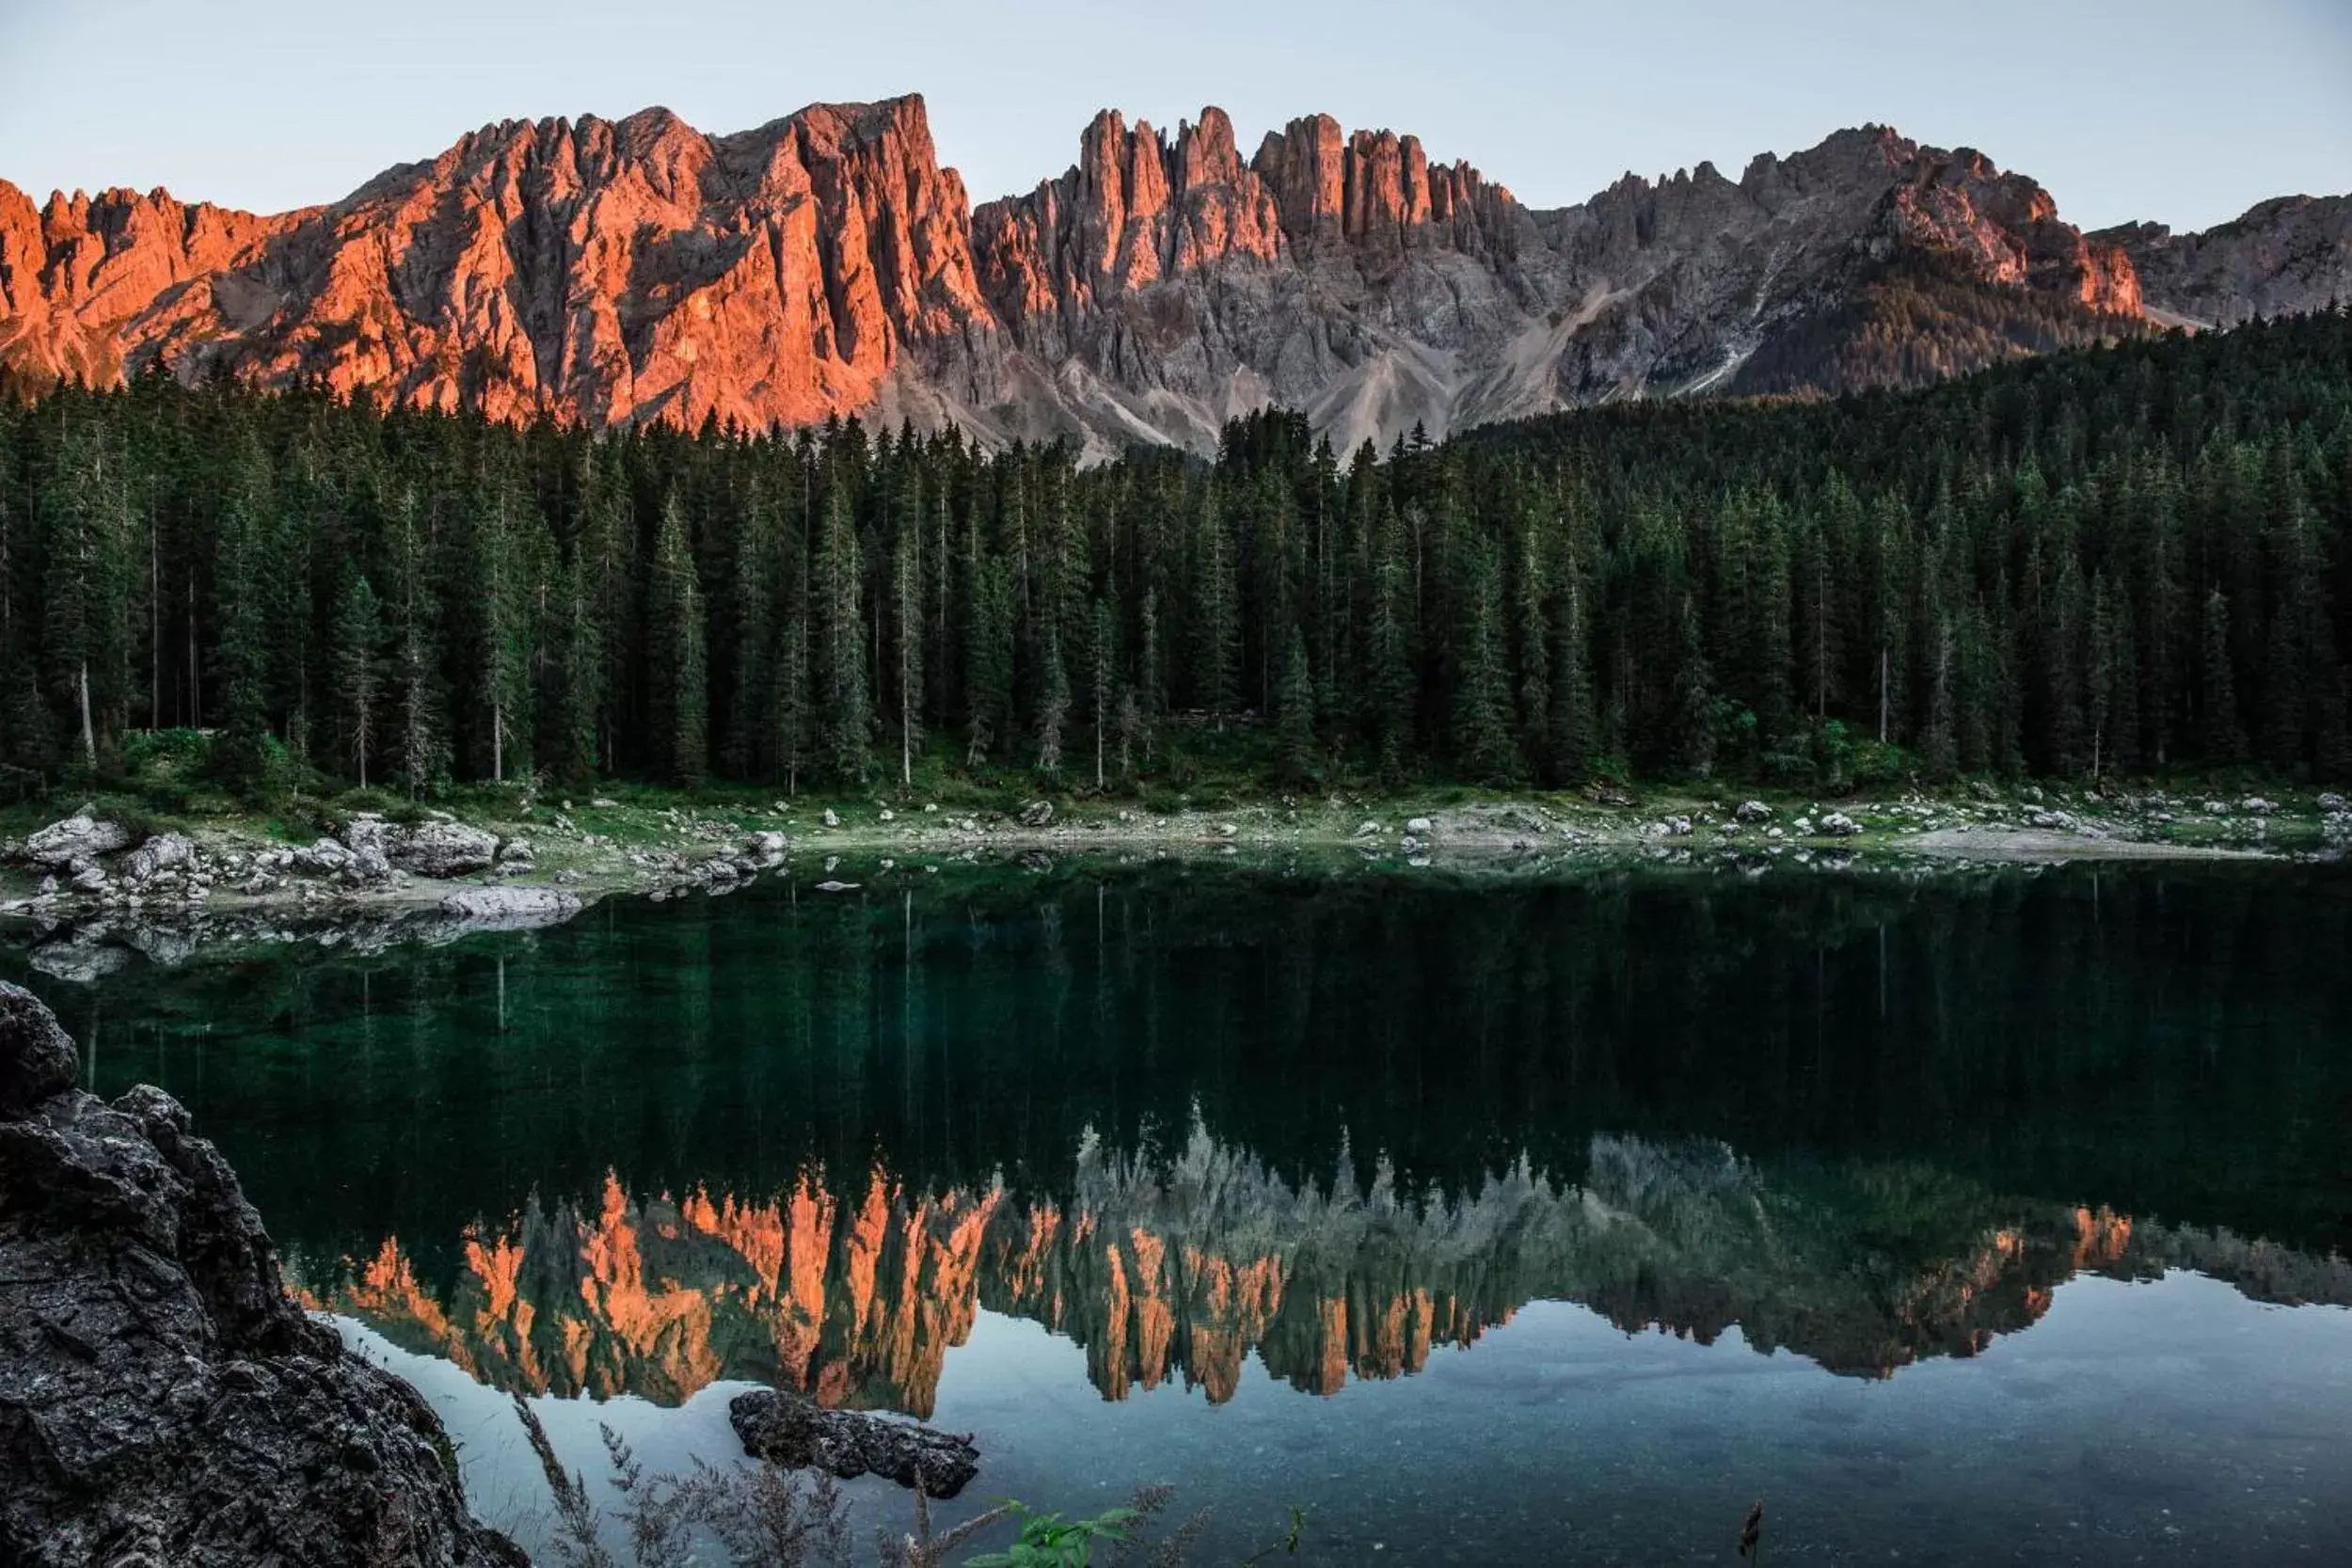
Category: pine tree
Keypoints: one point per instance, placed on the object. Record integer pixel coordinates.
(420, 749)
(1570, 729)
(678, 681)
(842, 708)
(85, 596)
(1053, 704)
(1216, 615)
(1394, 682)
(358, 669)
(906, 593)
(1295, 710)
(1481, 725)
(2221, 740)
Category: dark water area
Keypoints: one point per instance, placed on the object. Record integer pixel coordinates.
(1998, 1216)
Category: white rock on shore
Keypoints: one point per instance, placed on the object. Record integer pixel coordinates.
(79, 837)
(511, 908)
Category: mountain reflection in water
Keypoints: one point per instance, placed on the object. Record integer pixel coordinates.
(1182, 1268)
(1233, 1133)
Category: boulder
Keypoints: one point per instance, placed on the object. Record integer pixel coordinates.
(1420, 827)
(162, 1399)
(323, 859)
(767, 845)
(2331, 802)
(833, 818)
(90, 879)
(798, 1434)
(441, 850)
(163, 852)
(79, 837)
(1753, 811)
(517, 852)
(1036, 814)
(1838, 824)
(37, 1057)
(2255, 805)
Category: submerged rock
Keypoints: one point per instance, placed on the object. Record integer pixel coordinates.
(78, 962)
(511, 908)
(788, 1430)
(162, 1399)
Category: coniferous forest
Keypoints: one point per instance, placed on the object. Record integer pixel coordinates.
(2109, 563)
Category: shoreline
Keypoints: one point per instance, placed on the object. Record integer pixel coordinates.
(375, 883)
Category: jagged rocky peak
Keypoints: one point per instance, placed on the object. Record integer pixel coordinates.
(622, 271)
(2287, 256)
(2007, 226)
(1136, 209)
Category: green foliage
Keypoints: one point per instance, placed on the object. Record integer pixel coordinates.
(1056, 1540)
(2110, 562)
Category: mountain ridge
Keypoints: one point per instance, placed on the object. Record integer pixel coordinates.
(635, 271)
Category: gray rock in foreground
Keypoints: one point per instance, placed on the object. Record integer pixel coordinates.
(797, 1434)
(162, 1400)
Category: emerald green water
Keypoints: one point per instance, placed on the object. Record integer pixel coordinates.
(1989, 1217)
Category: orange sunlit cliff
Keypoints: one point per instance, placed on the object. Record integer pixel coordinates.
(1179, 1272)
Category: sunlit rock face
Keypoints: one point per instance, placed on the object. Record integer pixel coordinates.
(2284, 257)
(617, 273)
(1179, 1270)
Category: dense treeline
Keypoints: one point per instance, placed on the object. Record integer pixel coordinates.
(2107, 561)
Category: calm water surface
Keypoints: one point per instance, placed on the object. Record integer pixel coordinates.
(1993, 1219)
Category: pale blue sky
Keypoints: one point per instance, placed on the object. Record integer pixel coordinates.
(2184, 113)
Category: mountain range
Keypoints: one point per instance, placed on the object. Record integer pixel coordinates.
(622, 272)
(1183, 1270)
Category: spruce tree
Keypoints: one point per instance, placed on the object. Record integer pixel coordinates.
(1294, 711)
(677, 651)
(357, 651)
(844, 711)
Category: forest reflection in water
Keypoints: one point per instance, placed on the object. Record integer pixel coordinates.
(1195, 1122)
(1183, 1270)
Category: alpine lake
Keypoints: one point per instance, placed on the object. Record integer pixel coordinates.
(1968, 1216)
